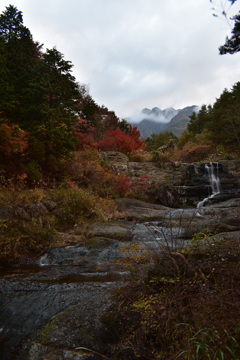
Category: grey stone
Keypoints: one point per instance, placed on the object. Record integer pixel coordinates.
(20, 212)
(36, 210)
(119, 230)
(6, 212)
(50, 205)
(136, 210)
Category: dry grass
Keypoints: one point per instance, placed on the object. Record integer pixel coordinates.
(23, 238)
(186, 307)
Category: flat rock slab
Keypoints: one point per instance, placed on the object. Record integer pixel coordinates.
(119, 230)
(231, 235)
(40, 352)
(137, 210)
(58, 337)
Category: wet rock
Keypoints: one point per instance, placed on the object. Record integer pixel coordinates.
(84, 318)
(164, 194)
(232, 235)
(136, 210)
(69, 255)
(98, 242)
(32, 303)
(40, 352)
(119, 230)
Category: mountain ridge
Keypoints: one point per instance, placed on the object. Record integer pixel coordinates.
(156, 120)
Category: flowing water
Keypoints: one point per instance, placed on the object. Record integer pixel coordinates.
(30, 296)
(212, 172)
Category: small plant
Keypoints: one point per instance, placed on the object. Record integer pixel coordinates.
(164, 310)
(200, 239)
(88, 171)
(212, 344)
(162, 158)
(20, 239)
(76, 205)
(140, 186)
(192, 152)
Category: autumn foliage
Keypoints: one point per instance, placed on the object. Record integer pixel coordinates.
(13, 140)
(194, 152)
(117, 140)
(84, 133)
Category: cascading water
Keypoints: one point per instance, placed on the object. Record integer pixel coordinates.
(214, 184)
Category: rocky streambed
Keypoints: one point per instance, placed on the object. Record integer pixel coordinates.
(53, 308)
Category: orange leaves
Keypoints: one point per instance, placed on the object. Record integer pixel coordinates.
(12, 139)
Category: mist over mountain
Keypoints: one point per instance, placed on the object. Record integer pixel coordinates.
(155, 120)
(154, 114)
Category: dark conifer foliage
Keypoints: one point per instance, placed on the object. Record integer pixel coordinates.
(232, 44)
(38, 93)
(221, 121)
(42, 103)
(11, 25)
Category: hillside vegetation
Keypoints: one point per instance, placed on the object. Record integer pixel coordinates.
(51, 133)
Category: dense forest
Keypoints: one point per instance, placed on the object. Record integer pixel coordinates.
(54, 186)
(45, 113)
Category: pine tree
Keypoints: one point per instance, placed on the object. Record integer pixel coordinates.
(232, 44)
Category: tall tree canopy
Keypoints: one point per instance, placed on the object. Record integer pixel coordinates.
(44, 112)
(38, 93)
(11, 24)
(220, 122)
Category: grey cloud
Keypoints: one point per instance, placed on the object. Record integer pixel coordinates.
(138, 53)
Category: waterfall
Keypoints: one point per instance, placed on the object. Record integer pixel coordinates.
(214, 184)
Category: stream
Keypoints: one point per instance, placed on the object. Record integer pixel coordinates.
(78, 281)
(61, 279)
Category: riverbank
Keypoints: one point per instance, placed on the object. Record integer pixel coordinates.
(47, 310)
(66, 252)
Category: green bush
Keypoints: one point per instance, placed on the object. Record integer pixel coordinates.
(75, 205)
(21, 239)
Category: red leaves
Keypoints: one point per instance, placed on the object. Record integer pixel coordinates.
(84, 133)
(117, 140)
(13, 139)
(111, 140)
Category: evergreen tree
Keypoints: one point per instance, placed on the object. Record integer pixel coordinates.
(38, 91)
(232, 44)
(198, 121)
(11, 25)
(224, 120)
(57, 112)
(19, 57)
(161, 139)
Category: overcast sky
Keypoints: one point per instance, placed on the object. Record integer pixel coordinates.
(137, 53)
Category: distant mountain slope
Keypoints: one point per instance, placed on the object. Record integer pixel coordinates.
(156, 120)
(180, 121)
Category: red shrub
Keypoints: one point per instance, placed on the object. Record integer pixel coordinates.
(117, 140)
(12, 139)
(84, 133)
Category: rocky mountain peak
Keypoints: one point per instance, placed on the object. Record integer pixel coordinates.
(155, 120)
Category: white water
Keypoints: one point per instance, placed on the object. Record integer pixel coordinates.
(214, 184)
